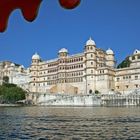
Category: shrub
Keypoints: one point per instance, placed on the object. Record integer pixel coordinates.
(10, 93)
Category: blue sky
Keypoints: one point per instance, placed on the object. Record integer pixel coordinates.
(112, 24)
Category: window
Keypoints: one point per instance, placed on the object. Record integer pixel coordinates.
(127, 86)
(136, 86)
(118, 79)
(118, 87)
(91, 63)
(136, 77)
(133, 58)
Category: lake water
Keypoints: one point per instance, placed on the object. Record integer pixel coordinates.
(69, 123)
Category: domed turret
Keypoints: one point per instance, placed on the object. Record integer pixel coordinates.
(109, 51)
(36, 56)
(136, 52)
(63, 52)
(12, 65)
(110, 58)
(90, 42)
(90, 46)
(21, 66)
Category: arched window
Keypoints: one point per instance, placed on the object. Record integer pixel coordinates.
(133, 58)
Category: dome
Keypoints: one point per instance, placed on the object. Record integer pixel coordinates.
(35, 56)
(109, 51)
(12, 64)
(90, 42)
(21, 66)
(136, 51)
(63, 50)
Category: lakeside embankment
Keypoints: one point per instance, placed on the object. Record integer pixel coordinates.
(44, 99)
(8, 105)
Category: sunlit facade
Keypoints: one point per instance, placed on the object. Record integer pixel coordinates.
(80, 73)
(84, 73)
(15, 73)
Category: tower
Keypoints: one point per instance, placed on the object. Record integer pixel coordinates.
(62, 54)
(34, 72)
(90, 62)
(110, 61)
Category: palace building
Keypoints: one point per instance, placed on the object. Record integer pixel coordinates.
(84, 73)
(15, 74)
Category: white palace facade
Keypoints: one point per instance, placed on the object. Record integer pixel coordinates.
(16, 74)
(84, 73)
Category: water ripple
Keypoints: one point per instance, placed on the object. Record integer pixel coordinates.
(43, 123)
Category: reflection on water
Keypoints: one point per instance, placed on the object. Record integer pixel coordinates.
(63, 123)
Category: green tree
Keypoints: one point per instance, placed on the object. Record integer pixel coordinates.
(9, 85)
(10, 93)
(125, 63)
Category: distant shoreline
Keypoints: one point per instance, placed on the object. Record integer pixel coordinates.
(8, 105)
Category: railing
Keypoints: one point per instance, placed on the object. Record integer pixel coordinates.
(132, 98)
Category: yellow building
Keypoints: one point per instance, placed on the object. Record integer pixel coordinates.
(128, 79)
(83, 73)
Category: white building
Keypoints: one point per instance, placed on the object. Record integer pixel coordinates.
(128, 79)
(16, 74)
(84, 73)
